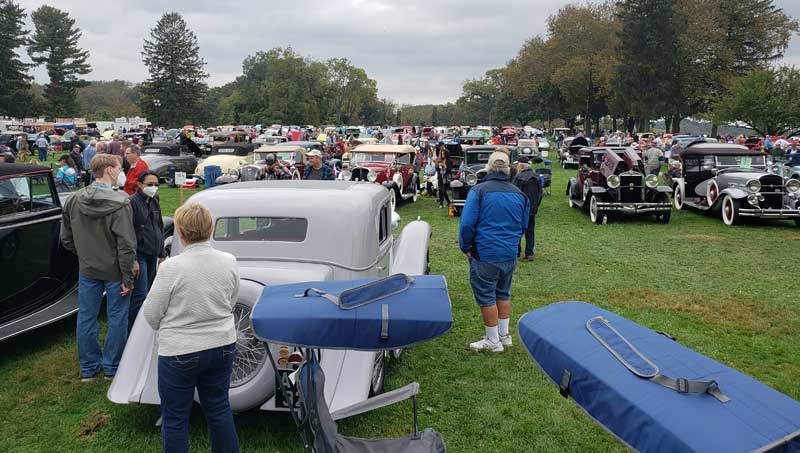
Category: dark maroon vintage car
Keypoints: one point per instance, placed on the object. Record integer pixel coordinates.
(611, 180)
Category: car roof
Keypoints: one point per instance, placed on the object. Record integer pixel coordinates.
(279, 149)
(387, 149)
(718, 149)
(11, 170)
(301, 143)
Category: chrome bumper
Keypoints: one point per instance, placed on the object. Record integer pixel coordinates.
(635, 208)
(458, 203)
(770, 213)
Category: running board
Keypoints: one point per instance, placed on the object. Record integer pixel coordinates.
(66, 306)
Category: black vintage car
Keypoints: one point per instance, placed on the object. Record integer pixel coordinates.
(612, 180)
(167, 158)
(472, 171)
(733, 180)
(570, 151)
(40, 277)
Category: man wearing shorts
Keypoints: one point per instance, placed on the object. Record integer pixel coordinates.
(493, 220)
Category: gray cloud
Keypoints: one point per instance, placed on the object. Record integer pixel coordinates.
(418, 51)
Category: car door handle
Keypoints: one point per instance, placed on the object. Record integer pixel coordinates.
(380, 268)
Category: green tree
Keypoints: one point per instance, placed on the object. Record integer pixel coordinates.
(351, 90)
(14, 78)
(766, 99)
(108, 99)
(55, 43)
(479, 99)
(177, 74)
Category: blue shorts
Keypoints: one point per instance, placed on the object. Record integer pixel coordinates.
(491, 281)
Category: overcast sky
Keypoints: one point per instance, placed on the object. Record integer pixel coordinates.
(418, 51)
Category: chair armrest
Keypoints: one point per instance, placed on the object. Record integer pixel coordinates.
(378, 401)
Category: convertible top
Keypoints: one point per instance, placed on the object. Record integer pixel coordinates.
(718, 149)
(169, 149)
(11, 170)
(280, 148)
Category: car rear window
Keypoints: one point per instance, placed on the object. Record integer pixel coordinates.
(274, 229)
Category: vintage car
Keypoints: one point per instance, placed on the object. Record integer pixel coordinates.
(362, 140)
(472, 170)
(734, 181)
(528, 147)
(40, 277)
(473, 138)
(167, 158)
(227, 156)
(221, 138)
(391, 166)
(611, 180)
(290, 157)
(570, 151)
(265, 139)
(144, 138)
(307, 231)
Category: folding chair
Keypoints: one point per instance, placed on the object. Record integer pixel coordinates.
(367, 315)
(546, 178)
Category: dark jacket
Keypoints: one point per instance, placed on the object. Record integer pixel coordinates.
(530, 184)
(493, 220)
(325, 172)
(98, 227)
(148, 224)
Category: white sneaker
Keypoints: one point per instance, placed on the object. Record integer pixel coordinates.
(505, 340)
(486, 345)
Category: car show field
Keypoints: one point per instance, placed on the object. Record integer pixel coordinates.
(727, 292)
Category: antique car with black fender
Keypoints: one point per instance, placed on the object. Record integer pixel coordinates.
(570, 151)
(270, 162)
(733, 180)
(612, 180)
(473, 170)
(391, 166)
(167, 158)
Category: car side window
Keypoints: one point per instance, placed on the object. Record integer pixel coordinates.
(383, 224)
(15, 196)
(43, 197)
(404, 159)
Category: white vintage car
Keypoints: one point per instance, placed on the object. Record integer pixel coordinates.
(288, 232)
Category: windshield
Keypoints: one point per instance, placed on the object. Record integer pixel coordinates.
(743, 162)
(478, 158)
(372, 157)
(288, 156)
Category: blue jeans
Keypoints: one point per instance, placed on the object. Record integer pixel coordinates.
(141, 286)
(210, 372)
(491, 281)
(90, 355)
(42, 154)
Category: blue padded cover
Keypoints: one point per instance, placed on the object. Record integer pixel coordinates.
(645, 415)
(417, 314)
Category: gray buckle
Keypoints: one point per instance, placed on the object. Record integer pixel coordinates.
(683, 385)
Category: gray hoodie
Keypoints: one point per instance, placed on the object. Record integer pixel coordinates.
(98, 227)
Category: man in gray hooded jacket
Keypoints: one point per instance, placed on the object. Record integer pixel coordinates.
(98, 227)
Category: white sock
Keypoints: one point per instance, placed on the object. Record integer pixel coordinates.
(502, 324)
(491, 334)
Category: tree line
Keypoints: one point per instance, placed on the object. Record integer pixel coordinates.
(631, 60)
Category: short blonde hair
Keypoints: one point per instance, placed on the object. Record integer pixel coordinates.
(194, 223)
(100, 162)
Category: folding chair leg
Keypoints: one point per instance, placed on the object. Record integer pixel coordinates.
(416, 427)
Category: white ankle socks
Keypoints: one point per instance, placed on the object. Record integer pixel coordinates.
(491, 334)
(502, 324)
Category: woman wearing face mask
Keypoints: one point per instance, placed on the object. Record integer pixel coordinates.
(149, 229)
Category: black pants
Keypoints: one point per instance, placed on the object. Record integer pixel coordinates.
(530, 237)
(442, 191)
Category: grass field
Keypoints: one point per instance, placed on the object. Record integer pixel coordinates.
(729, 293)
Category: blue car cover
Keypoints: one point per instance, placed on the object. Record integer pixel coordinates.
(368, 315)
(652, 393)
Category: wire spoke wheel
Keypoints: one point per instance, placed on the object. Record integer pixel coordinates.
(250, 351)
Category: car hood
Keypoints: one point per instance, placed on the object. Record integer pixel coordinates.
(475, 167)
(152, 159)
(375, 166)
(742, 177)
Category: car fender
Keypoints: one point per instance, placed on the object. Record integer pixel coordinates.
(735, 193)
(390, 185)
(410, 250)
(598, 189)
(663, 189)
(456, 184)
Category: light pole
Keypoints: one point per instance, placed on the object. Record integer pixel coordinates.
(157, 105)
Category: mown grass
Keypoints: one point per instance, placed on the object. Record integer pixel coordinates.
(729, 293)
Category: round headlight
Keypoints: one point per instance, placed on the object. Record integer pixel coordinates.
(753, 186)
(651, 181)
(793, 186)
(752, 199)
(471, 179)
(613, 181)
(372, 176)
(345, 175)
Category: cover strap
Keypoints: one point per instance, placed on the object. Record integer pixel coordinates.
(641, 366)
(367, 293)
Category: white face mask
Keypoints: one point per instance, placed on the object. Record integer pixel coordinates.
(121, 179)
(150, 191)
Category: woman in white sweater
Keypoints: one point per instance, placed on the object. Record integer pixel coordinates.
(190, 306)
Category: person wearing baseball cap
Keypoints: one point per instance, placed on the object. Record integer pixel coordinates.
(317, 170)
(493, 220)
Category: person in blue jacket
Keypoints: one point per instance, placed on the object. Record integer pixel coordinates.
(493, 220)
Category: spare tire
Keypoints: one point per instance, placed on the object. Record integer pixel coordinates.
(252, 377)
